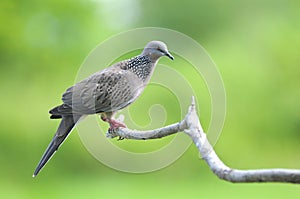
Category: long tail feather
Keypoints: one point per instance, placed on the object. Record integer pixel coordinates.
(66, 125)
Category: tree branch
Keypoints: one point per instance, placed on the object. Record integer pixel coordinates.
(192, 127)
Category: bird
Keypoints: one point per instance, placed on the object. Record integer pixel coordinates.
(104, 93)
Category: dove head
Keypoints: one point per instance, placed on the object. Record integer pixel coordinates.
(156, 49)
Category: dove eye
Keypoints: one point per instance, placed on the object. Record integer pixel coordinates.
(160, 50)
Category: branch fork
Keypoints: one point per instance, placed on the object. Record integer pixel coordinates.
(191, 126)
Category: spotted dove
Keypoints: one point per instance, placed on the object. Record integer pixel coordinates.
(104, 93)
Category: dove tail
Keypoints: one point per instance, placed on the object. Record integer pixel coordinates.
(66, 125)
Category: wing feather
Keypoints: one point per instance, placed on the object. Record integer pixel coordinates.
(106, 91)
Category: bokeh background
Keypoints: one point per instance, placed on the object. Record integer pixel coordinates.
(255, 44)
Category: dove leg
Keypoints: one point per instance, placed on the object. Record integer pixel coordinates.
(114, 124)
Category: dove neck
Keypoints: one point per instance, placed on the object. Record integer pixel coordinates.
(142, 66)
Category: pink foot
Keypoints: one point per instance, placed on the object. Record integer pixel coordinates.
(114, 124)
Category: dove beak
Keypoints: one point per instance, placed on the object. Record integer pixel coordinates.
(169, 55)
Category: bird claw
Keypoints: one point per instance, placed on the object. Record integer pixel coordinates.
(112, 133)
(121, 138)
(114, 126)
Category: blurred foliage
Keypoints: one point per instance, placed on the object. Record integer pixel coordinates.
(255, 45)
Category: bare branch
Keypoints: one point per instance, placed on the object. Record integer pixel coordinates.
(145, 135)
(192, 127)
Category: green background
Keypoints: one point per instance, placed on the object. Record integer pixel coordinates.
(254, 44)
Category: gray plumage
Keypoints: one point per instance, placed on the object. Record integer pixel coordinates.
(104, 93)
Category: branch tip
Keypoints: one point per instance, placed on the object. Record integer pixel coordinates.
(193, 101)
